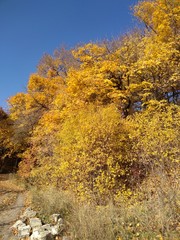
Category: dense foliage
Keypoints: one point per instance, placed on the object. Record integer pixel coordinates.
(8, 154)
(99, 119)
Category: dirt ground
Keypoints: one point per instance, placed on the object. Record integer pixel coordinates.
(12, 200)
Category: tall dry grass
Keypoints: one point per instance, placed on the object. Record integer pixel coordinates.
(151, 213)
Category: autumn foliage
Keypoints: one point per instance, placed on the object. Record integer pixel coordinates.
(100, 118)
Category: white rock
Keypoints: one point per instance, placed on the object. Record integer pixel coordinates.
(60, 221)
(35, 222)
(55, 230)
(34, 235)
(43, 234)
(46, 227)
(28, 213)
(35, 230)
(39, 235)
(24, 231)
(55, 217)
(17, 224)
(21, 226)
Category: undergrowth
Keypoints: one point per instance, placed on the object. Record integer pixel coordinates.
(151, 213)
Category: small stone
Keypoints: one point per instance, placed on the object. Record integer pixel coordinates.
(21, 226)
(57, 229)
(34, 235)
(24, 231)
(35, 222)
(43, 234)
(17, 224)
(55, 217)
(28, 213)
(40, 235)
(60, 221)
(46, 227)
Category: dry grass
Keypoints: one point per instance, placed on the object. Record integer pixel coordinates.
(49, 201)
(9, 190)
(152, 213)
(7, 200)
(10, 183)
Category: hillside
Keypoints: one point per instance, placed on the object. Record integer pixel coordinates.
(101, 122)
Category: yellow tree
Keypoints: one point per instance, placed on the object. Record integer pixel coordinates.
(38, 159)
(27, 108)
(74, 115)
(58, 64)
(155, 142)
(156, 73)
(8, 154)
(161, 17)
(90, 154)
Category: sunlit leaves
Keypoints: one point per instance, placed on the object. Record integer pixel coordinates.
(97, 119)
(155, 136)
(161, 16)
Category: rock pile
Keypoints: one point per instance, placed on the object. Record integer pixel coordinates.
(30, 227)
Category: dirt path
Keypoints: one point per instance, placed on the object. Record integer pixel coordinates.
(11, 203)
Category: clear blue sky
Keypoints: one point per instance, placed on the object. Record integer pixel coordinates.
(30, 28)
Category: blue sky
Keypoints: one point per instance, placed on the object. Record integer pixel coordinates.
(31, 28)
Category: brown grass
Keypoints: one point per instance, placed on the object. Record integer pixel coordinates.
(9, 189)
(151, 213)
